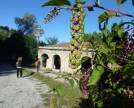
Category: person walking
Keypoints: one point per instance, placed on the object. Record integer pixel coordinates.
(37, 64)
(19, 65)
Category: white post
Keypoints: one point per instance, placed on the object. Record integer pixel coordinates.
(38, 33)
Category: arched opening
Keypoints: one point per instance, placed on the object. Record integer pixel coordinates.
(57, 62)
(44, 60)
(87, 63)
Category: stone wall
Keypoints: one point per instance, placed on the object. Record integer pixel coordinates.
(63, 53)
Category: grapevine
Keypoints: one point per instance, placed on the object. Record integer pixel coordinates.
(115, 48)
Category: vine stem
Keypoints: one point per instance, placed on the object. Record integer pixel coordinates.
(102, 65)
(116, 56)
(117, 11)
(129, 29)
(97, 6)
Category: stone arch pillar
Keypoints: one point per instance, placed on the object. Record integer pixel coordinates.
(67, 68)
(49, 61)
(64, 61)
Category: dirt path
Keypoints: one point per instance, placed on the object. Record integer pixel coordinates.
(19, 92)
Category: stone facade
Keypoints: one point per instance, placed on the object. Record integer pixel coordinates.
(62, 51)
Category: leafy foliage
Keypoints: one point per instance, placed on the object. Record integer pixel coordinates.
(57, 3)
(80, 1)
(119, 2)
(96, 73)
(4, 28)
(20, 45)
(52, 40)
(109, 79)
(60, 89)
(90, 37)
(4, 34)
(27, 24)
(106, 15)
(97, 2)
(133, 2)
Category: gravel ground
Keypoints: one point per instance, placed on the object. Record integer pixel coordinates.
(19, 92)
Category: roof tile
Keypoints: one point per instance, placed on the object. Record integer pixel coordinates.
(67, 44)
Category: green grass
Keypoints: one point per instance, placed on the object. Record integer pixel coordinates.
(70, 94)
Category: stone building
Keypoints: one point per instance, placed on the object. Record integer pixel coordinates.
(56, 57)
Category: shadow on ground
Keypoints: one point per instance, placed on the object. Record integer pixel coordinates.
(5, 73)
(6, 69)
(29, 74)
(47, 72)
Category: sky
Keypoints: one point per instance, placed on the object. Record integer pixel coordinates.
(60, 26)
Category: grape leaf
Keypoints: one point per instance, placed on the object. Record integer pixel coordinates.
(57, 3)
(119, 2)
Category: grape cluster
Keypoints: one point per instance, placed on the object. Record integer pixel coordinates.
(128, 92)
(77, 33)
(85, 78)
(128, 48)
(55, 11)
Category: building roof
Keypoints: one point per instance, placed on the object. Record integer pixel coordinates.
(67, 44)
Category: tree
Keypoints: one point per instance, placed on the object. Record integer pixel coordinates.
(29, 49)
(52, 40)
(20, 45)
(27, 24)
(49, 41)
(92, 36)
(4, 28)
(4, 33)
(42, 43)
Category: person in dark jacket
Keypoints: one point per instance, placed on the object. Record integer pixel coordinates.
(19, 65)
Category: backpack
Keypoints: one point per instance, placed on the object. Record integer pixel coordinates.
(17, 64)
